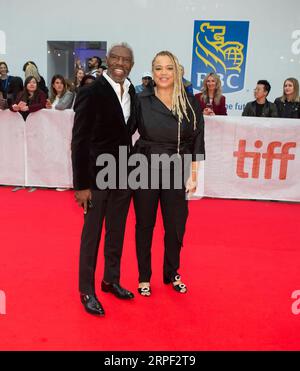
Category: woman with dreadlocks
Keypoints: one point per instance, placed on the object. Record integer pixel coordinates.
(169, 123)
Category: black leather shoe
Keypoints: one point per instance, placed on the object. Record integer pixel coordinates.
(117, 290)
(92, 305)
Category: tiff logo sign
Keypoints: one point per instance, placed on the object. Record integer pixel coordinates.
(269, 157)
(2, 42)
(2, 302)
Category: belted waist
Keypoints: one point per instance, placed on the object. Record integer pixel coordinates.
(149, 147)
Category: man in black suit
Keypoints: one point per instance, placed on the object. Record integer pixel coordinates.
(104, 116)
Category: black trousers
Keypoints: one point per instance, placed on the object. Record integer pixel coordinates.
(111, 205)
(174, 212)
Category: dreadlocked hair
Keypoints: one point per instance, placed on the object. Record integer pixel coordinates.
(180, 102)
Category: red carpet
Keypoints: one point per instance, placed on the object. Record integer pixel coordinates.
(241, 262)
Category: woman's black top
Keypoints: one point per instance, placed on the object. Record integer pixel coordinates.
(158, 128)
(288, 109)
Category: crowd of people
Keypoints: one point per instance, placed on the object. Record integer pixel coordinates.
(213, 102)
(33, 95)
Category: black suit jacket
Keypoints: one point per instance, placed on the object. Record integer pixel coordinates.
(99, 127)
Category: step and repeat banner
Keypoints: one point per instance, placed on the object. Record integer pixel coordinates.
(252, 157)
(246, 157)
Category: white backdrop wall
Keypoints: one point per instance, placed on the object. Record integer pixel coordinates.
(152, 25)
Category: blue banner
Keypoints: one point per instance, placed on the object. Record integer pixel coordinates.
(220, 47)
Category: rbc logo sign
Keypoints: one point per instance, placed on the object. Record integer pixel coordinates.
(220, 47)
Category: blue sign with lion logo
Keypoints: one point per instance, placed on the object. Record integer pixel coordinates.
(220, 47)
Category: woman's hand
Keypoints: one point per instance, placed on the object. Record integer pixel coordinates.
(191, 185)
(22, 104)
(15, 107)
(48, 104)
(24, 108)
(208, 112)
